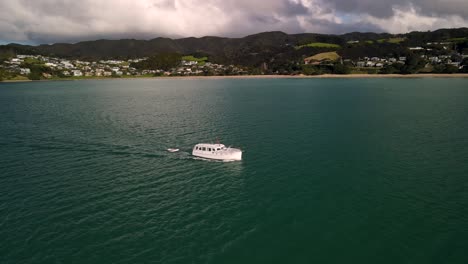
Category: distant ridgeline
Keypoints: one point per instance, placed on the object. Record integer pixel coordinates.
(273, 52)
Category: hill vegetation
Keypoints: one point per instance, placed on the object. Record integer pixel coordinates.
(319, 45)
(267, 52)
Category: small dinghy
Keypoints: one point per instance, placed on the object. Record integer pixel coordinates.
(172, 149)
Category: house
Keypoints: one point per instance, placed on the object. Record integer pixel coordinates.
(25, 71)
(361, 64)
(416, 48)
(379, 64)
(77, 73)
(402, 59)
(434, 59)
(46, 75)
(16, 61)
(189, 63)
(24, 56)
(67, 64)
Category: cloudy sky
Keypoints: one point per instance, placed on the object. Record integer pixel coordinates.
(50, 21)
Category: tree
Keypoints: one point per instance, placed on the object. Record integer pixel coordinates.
(34, 75)
(464, 65)
(341, 69)
(6, 54)
(443, 68)
(413, 64)
(390, 69)
(451, 69)
(464, 62)
(162, 61)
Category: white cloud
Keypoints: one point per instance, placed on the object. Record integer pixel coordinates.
(50, 21)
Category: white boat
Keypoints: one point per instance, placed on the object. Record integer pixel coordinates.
(172, 149)
(216, 151)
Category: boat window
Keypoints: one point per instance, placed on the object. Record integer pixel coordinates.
(218, 149)
(203, 148)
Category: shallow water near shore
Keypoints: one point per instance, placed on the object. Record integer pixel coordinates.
(334, 171)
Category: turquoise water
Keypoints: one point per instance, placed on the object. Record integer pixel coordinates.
(334, 171)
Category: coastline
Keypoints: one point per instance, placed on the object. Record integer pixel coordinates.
(324, 76)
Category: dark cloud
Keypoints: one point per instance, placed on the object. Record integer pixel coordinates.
(446, 7)
(385, 8)
(49, 21)
(324, 26)
(294, 9)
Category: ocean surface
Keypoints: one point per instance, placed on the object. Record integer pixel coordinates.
(334, 171)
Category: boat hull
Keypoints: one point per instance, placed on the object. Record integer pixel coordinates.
(232, 154)
(216, 152)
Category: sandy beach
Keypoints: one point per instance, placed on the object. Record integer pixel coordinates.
(456, 75)
(324, 76)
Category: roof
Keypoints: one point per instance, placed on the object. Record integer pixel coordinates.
(210, 145)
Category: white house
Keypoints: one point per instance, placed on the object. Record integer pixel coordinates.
(361, 63)
(77, 73)
(25, 71)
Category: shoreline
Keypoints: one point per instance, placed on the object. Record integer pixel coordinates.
(323, 76)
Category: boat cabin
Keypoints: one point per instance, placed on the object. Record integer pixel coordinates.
(209, 147)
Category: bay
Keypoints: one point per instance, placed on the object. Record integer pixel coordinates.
(334, 171)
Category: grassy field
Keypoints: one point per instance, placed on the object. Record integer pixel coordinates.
(192, 58)
(201, 61)
(392, 40)
(32, 61)
(18, 78)
(333, 56)
(458, 39)
(319, 45)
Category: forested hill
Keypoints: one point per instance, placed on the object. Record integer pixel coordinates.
(251, 50)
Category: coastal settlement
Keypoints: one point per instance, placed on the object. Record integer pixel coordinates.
(433, 57)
